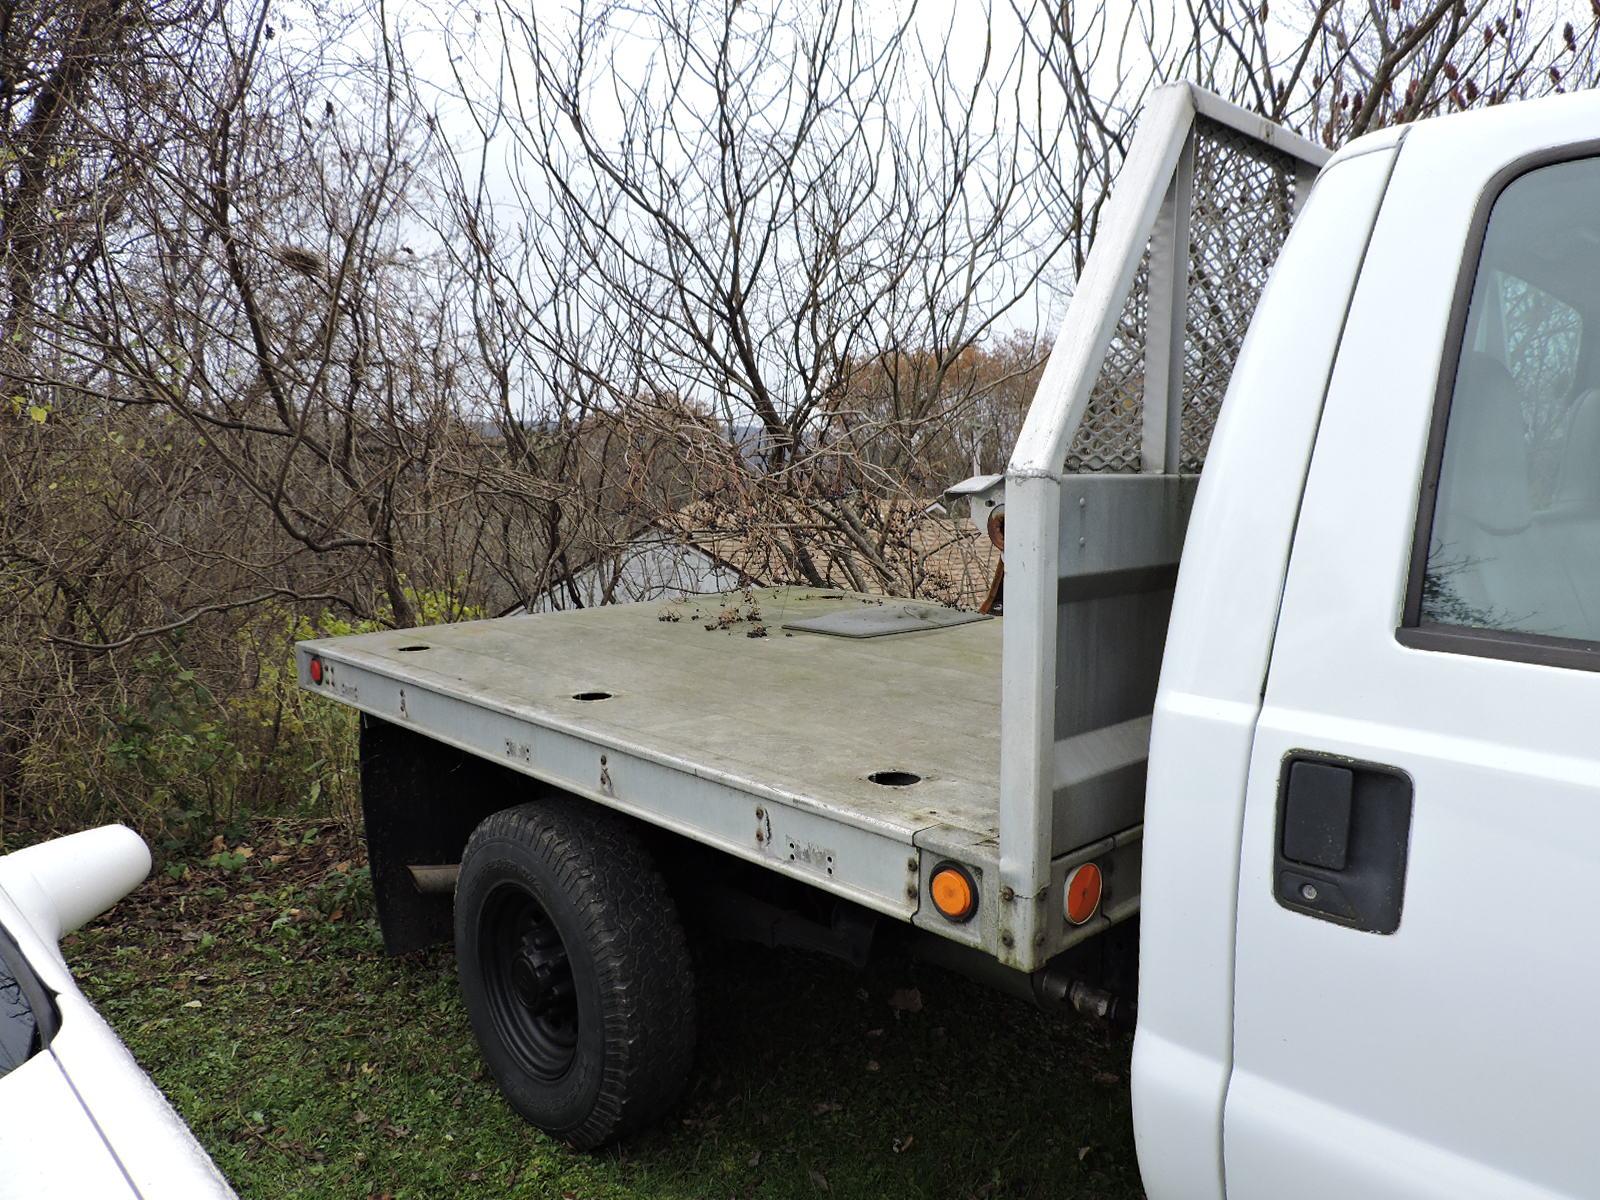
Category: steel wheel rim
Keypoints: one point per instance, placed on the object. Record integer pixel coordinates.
(527, 976)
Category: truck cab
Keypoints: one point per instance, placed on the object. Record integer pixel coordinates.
(1373, 811)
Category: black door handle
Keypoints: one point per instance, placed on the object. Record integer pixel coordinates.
(1342, 834)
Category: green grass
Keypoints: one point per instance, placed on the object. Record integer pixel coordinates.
(255, 991)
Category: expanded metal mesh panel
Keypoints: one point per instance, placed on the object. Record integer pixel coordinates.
(1243, 204)
(1108, 437)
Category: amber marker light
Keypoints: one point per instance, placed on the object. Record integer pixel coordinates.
(954, 894)
(1082, 899)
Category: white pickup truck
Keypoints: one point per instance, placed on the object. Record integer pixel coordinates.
(1322, 717)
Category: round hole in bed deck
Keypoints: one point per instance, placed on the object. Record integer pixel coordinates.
(894, 778)
(411, 649)
(586, 696)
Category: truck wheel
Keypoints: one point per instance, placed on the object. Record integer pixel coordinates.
(574, 970)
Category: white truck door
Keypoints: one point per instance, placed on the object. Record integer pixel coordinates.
(1416, 960)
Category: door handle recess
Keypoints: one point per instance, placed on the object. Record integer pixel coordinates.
(1343, 831)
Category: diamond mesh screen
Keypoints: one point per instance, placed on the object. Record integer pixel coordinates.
(1109, 435)
(1243, 204)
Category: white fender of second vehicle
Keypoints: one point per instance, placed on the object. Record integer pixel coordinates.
(83, 1119)
(63, 884)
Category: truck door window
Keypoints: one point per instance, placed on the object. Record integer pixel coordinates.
(1538, 337)
(1508, 555)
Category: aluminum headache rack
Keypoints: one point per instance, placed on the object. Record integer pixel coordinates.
(1099, 483)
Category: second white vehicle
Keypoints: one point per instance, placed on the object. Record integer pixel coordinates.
(82, 1120)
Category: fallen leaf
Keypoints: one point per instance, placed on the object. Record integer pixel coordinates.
(754, 1160)
(906, 1000)
(819, 1180)
(1083, 1152)
(191, 1004)
(901, 1145)
(872, 1065)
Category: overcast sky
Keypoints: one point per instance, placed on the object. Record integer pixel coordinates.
(461, 41)
(449, 42)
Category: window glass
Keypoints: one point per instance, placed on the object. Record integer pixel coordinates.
(1515, 541)
(19, 1028)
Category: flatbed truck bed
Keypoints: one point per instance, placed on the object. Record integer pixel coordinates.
(834, 760)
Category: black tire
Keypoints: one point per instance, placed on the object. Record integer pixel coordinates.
(574, 970)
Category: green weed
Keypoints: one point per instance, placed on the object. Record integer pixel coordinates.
(199, 739)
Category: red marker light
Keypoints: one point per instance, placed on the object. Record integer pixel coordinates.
(997, 527)
(315, 670)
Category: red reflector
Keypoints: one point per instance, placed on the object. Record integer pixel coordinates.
(315, 670)
(1083, 893)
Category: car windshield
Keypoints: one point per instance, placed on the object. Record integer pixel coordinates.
(19, 1027)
